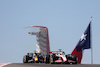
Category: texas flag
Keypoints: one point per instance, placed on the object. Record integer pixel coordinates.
(84, 43)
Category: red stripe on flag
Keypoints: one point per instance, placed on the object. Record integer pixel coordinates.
(78, 54)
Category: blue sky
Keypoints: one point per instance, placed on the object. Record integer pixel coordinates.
(65, 19)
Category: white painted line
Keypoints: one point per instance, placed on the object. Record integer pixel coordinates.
(5, 64)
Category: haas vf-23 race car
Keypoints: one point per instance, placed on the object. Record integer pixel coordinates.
(33, 58)
(60, 57)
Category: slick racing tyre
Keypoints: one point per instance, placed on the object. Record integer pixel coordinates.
(53, 57)
(68, 56)
(47, 59)
(75, 59)
(71, 57)
(25, 59)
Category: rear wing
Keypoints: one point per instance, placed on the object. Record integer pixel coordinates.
(56, 52)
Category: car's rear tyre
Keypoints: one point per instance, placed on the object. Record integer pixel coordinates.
(76, 59)
(25, 59)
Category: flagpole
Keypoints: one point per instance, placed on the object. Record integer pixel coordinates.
(91, 42)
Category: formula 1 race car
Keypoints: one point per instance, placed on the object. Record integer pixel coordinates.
(60, 57)
(33, 58)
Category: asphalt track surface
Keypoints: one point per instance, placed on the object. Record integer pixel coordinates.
(50, 65)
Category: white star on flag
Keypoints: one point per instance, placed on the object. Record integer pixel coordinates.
(83, 37)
